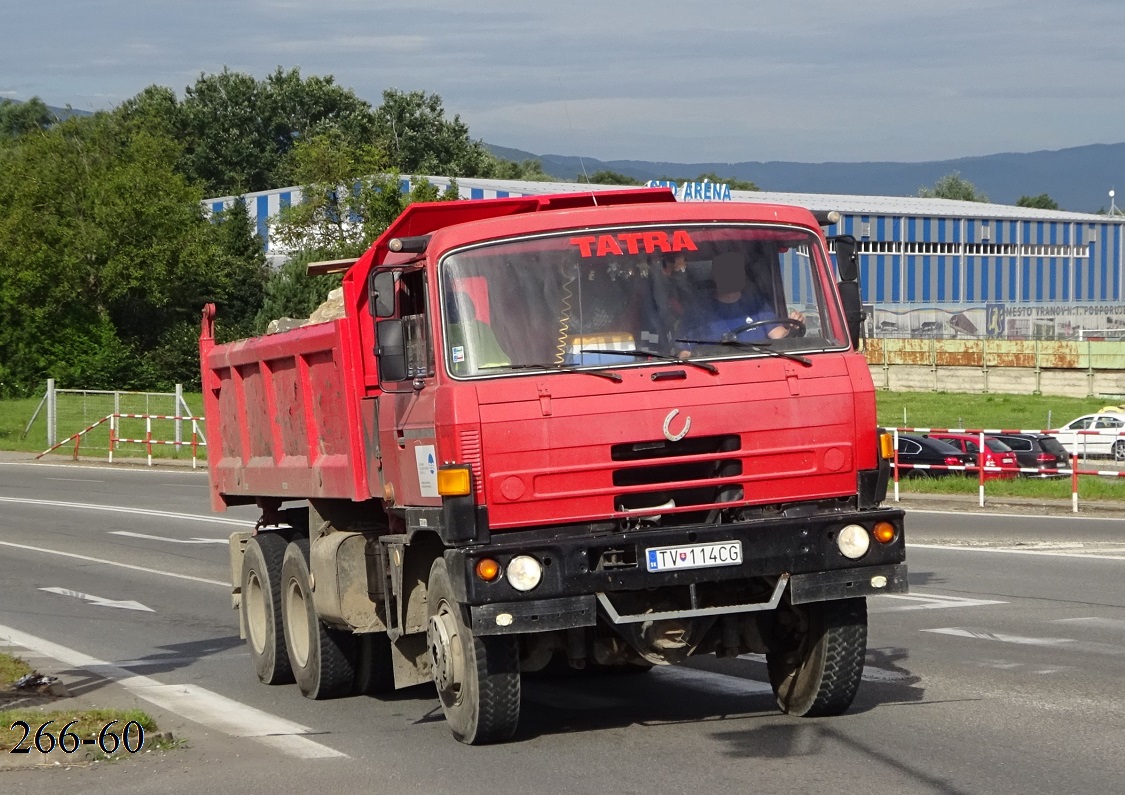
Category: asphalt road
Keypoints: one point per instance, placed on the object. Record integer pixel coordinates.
(1000, 673)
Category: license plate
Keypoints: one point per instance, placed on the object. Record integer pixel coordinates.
(694, 556)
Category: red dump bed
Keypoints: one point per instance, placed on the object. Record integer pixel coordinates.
(280, 415)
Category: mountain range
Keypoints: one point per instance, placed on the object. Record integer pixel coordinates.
(1078, 178)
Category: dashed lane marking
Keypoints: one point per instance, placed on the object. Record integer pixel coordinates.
(90, 506)
(190, 701)
(921, 601)
(1010, 551)
(1067, 644)
(118, 564)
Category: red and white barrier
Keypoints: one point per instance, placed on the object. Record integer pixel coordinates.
(982, 468)
(115, 439)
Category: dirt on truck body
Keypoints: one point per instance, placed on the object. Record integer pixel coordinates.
(611, 430)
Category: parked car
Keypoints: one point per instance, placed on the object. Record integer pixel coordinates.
(1109, 441)
(996, 454)
(1036, 451)
(921, 450)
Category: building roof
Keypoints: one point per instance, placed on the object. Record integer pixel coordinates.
(850, 204)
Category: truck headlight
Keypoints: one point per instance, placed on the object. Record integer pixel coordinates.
(524, 572)
(853, 541)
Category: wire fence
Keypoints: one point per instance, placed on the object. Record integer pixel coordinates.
(83, 416)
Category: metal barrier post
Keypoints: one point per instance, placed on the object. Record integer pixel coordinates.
(980, 466)
(52, 412)
(178, 422)
(112, 434)
(1074, 480)
(896, 464)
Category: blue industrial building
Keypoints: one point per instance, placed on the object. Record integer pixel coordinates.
(928, 267)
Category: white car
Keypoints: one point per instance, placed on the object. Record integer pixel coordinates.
(1108, 441)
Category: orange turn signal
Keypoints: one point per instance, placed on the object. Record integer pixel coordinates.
(887, 445)
(884, 532)
(454, 482)
(487, 569)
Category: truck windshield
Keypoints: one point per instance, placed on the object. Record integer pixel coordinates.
(690, 292)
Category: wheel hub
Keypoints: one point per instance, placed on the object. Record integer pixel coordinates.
(445, 657)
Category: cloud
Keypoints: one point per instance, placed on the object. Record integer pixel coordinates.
(717, 79)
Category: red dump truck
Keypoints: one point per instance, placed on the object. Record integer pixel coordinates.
(598, 430)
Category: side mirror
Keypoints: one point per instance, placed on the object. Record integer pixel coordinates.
(381, 294)
(847, 260)
(390, 350)
(853, 309)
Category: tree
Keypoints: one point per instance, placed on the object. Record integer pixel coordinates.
(606, 177)
(106, 259)
(418, 139)
(530, 170)
(238, 131)
(953, 186)
(1042, 202)
(733, 182)
(21, 118)
(349, 198)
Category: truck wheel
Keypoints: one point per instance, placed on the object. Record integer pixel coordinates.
(374, 669)
(817, 670)
(261, 608)
(321, 658)
(477, 678)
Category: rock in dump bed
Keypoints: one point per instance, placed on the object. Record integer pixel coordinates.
(331, 309)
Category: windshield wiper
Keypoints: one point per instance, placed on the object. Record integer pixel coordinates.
(761, 347)
(568, 368)
(642, 353)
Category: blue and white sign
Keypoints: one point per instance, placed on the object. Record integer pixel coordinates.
(705, 191)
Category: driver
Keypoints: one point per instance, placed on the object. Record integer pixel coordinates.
(732, 306)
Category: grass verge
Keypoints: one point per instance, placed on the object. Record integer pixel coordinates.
(91, 728)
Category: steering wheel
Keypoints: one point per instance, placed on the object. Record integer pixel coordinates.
(797, 326)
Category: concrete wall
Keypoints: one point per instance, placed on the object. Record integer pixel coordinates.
(1068, 369)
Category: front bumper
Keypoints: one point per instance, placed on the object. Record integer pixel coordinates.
(588, 564)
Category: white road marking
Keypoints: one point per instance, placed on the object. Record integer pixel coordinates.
(129, 534)
(1093, 621)
(104, 562)
(108, 467)
(1015, 515)
(76, 480)
(190, 701)
(1070, 644)
(922, 601)
(88, 506)
(124, 604)
(1010, 551)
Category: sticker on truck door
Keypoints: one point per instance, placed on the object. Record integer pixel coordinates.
(427, 470)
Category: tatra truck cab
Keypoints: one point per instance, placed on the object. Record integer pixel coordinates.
(597, 430)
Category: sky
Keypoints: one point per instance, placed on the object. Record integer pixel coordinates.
(684, 82)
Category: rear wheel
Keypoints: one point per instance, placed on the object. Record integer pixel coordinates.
(817, 669)
(261, 608)
(321, 658)
(1119, 450)
(477, 678)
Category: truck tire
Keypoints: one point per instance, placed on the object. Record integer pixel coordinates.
(817, 670)
(260, 582)
(477, 678)
(321, 658)
(374, 669)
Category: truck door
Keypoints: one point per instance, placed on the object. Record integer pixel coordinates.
(407, 436)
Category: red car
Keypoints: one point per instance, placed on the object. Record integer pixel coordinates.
(996, 453)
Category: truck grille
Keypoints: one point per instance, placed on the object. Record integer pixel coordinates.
(690, 464)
